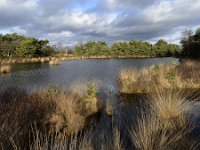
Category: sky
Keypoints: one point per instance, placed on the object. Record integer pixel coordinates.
(70, 22)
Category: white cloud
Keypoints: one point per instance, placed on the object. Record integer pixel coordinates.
(18, 30)
(3, 3)
(112, 20)
(30, 4)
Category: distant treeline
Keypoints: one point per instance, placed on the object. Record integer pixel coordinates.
(133, 47)
(191, 44)
(14, 45)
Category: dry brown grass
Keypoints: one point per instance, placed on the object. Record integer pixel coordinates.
(54, 119)
(53, 113)
(67, 117)
(54, 62)
(5, 68)
(165, 124)
(170, 103)
(18, 111)
(72, 142)
(81, 141)
(152, 133)
(183, 76)
(71, 109)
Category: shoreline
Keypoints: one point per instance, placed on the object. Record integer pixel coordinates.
(10, 61)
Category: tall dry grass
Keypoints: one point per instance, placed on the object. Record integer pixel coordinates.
(54, 120)
(183, 76)
(171, 103)
(72, 142)
(53, 113)
(5, 68)
(18, 110)
(152, 133)
(166, 123)
(78, 141)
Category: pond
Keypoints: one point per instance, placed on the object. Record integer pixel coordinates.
(103, 71)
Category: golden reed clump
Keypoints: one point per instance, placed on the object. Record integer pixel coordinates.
(165, 123)
(183, 76)
(53, 113)
(5, 68)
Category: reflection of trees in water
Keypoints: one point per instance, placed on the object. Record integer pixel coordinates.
(27, 67)
(28, 76)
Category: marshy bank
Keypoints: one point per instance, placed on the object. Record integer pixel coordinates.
(57, 59)
(64, 58)
(52, 113)
(55, 119)
(178, 76)
(81, 118)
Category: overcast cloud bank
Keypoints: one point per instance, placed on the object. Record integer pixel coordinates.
(71, 22)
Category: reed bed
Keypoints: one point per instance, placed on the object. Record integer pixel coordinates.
(183, 76)
(165, 124)
(171, 103)
(152, 133)
(53, 113)
(78, 141)
(57, 119)
(62, 57)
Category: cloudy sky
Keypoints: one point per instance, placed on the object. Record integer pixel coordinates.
(74, 21)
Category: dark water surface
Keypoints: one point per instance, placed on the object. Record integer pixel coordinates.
(104, 71)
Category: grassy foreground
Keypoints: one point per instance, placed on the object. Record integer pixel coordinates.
(60, 120)
(53, 113)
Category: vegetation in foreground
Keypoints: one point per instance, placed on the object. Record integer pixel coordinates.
(51, 114)
(55, 119)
